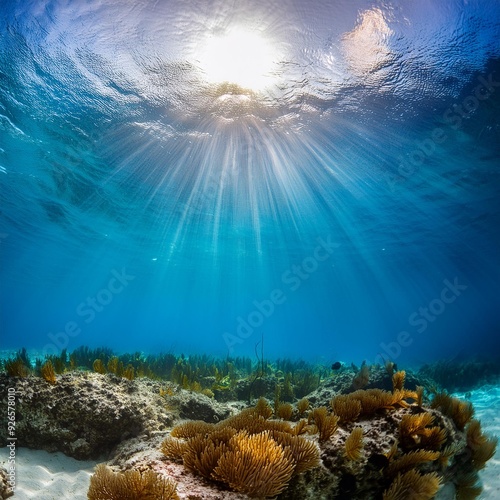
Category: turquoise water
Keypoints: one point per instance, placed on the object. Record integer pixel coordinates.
(347, 207)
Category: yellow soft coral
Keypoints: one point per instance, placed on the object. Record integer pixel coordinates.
(255, 465)
(130, 485)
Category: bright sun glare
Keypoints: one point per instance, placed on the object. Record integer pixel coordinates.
(239, 57)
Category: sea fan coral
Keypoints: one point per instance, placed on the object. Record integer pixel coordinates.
(414, 485)
(48, 372)
(99, 367)
(191, 428)
(398, 380)
(268, 452)
(372, 400)
(468, 486)
(130, 485)
(482, 447)
(415, 433)
(302, 405)
(173, 448)
(346, 407)
(202, 455)
(255, 465)
(326, 424)
(263, 408)
(354, 444)
(300, 427)
(16, 368)
(253, 423)
(410, 460)
(129, 372)
(459, 411)
(305, 453)
(482, 454)
(419, 390)
(284, 411)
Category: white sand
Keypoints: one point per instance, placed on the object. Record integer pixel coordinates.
(49, 476)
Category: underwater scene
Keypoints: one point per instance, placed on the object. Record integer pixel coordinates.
(249, 249)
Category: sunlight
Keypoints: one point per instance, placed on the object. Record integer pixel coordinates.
(240, 57)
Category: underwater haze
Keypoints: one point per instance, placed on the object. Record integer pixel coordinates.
(315, 180)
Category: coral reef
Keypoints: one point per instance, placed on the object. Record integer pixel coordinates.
(16, 367)
(248, 452)
(48, 373)
(382, 441)
(255, 464)
(130, 485)
(412, 484)
(460, 411)
(354, 444)
(325, 423)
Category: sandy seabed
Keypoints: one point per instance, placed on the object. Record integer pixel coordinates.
(54, 476)
(49, 476)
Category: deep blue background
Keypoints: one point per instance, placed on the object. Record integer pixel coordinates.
(116, 157)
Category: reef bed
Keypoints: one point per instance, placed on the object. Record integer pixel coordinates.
(362, 432)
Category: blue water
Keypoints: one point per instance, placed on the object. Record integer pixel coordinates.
(347, 209)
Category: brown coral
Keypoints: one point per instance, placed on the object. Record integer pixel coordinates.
(468, 486)
(346, 407)
(482, 447)
(129, 372)
(305, 453)
(459, 411)
(173, 448)
(99, 367)
(484, 452)
(410, 460)
(48, 372)
(302, 405)
(202, 454)
(130, 485)
(254, 423)
(16, 368)
(354, 444)
(220, 451)
(191, 428)
(412, 484)
(284, 411)
(373, 400)
(419, 390)
(398, 380)
(255, 465)
(415, 433)
(263, 408)
(300, 427)
(326, 424)
(448, 452)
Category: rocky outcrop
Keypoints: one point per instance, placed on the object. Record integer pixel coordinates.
(85, 415)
